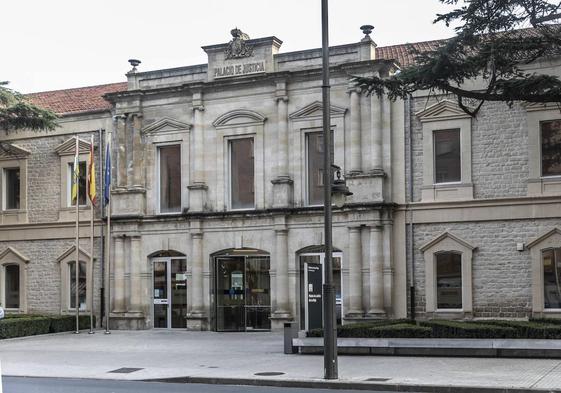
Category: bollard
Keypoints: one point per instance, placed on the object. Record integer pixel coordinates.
(290, 332)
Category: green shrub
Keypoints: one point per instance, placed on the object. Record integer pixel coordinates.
(537, 329)
(361, 329)
(460, 329)
(19, 325)
(401, 330)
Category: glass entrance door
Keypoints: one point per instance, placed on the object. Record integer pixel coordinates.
(170, 292)
(243, 298)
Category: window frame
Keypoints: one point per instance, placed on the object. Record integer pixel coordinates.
(158, 146)
(436, 255)
(5, 189)
(547, 240)
(542, 176)
(444, 243)
(69, 176)
(306, 135)
(539, 185)
(67, 258)
(13, 216)
(71, 277)
(435, 182)
(228, 141)
(10, 257)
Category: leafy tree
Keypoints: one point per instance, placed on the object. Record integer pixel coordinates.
(494, 40)
(18, 113)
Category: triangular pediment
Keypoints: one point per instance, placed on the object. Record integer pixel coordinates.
(544, 236)
(442, 237)
(11, 255)
(10, 151)
(69, 147)
(70, 255)
(315, 111)
(166, 125)
(239, 117)
(442, 110)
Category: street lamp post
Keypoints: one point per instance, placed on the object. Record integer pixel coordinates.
(329, 324)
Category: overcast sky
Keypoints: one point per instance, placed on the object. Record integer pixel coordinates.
(58, 44)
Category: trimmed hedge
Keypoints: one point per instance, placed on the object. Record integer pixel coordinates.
(30, 325)
(458, 329)
(533, 329)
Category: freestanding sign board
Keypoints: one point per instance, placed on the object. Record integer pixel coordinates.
(314, 302)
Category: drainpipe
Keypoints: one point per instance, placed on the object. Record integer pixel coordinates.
(409, 212)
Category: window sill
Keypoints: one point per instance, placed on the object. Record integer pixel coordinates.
(8, 217)
(447, 192)
(546, 185)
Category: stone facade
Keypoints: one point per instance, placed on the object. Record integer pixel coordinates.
(249, 89)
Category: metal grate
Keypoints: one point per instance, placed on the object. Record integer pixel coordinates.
(125, 370)
(269, 373)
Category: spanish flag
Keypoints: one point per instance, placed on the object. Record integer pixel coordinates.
(76, 174)
(91, 174)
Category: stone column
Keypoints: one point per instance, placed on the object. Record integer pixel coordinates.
(282, 184)
(356, 143)
(376, 309)
(377, 133)
(135, 300)
(119, 305)
(281, 263)
(137, 151)
(388, 265)
(355, 273)
(197, 188)
(121, 139)
(197, 301)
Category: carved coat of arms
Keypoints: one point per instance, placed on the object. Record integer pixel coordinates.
(238, 47)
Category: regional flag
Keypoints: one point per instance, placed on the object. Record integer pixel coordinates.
(91, 175)
(107, 177)
(75, 175)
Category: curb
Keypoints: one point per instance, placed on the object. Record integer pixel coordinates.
(347, 385)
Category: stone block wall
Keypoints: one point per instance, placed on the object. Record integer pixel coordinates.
(499, 150)
(502, 286)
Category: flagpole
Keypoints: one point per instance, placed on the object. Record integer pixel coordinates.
(107, 200)
(76, 177)
(91, 173)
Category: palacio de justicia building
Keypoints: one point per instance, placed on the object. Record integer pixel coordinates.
(216, 199)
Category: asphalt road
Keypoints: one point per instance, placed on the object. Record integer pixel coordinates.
(62, 385)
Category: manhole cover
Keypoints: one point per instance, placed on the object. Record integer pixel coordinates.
(269, 373)
(125, 370)
(377, 379)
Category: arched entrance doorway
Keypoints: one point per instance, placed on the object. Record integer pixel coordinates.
(169, 289)
(242, 289)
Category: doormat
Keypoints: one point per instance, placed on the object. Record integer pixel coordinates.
(125, 370)
(269, 373)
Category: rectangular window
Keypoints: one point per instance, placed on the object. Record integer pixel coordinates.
(12, 286)
(448, 280)
(170, 178)
(81, 285)
(11, 188)
(315, 166)
(242, 173)
(551, 147)
(447, 157)
(81, 183)
(552, 277)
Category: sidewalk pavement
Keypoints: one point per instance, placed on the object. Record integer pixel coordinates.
(236, 358)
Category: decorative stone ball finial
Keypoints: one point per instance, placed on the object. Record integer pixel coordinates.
(134, 63)
(366, 30)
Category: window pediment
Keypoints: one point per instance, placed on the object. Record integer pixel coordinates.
(447, 236)
(540, 106)
(315, 111)
(9, 151)
(69, 147)
(545, 236)
(11, 255)
(166, 126)
(239, 117)
(70, 255)
(442, 110)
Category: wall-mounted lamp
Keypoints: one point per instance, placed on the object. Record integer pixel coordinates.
(339, 189)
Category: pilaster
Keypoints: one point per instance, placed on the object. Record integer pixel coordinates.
(355, 273)
(197, 316)
(198, 187)
(282, 311)
(376, 309)
(356, 134)
(282, 184)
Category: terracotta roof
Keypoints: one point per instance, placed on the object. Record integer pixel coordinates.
(402, 53)
(81, 99)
